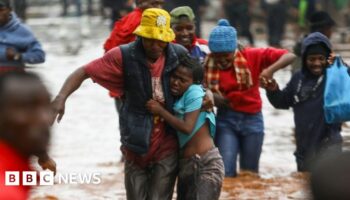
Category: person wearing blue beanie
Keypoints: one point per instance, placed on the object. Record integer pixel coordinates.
(233, 75)
(223, 38)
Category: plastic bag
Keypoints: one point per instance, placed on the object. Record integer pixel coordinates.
(337, 93)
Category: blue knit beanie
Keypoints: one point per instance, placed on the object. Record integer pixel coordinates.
(223, 38)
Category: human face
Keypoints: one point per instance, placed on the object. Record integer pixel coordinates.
(4, 15)
(223, 60)
(153, 48)
(180, 81)
(185, 32)
(316, 64)
(25, 116)
(145, 4)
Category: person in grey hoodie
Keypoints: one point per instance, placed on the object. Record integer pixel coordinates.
(18, 45)
(304, 93)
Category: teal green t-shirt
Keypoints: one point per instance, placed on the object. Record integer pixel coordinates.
(190, 101)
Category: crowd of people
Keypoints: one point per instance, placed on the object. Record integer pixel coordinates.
(188, 107)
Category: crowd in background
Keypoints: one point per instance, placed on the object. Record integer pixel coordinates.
(276, 14)
(184, 78)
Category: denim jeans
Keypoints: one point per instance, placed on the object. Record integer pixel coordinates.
(200, 177)
(155, 182)
(239, 133)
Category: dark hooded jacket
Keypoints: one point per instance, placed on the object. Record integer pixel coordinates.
(311, 130)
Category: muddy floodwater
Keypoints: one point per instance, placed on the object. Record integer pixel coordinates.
(87, 139)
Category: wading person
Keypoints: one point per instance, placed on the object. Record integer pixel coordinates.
(18, 45)
(305, 94)
(184, 25)
(139, 71)
(232, 74)
(201, 166)
(25, 114)
(123, 32)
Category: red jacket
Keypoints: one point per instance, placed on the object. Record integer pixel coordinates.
(249, 100)
(11, 160)
(122, 32)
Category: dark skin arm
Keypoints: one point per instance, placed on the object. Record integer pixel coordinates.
(185, 126)
(282, 62)
(72, 83)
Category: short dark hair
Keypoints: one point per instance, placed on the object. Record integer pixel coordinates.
(16, 75)
(194, 66)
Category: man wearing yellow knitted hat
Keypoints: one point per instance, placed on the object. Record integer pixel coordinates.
(138, 72)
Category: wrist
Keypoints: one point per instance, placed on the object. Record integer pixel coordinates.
(61, 97)
(161, 111)
(273, 88)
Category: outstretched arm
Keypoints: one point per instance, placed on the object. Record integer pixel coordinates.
(185, 126)
(282, 62)
(71, 84)
(280, 99)
(106, 71)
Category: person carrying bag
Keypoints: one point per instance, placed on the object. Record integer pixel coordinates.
(337, 92)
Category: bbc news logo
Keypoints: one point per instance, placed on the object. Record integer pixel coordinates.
(31, 178)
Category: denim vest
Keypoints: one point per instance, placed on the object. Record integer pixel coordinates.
(135, 121)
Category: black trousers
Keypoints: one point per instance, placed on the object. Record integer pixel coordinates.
(276, 21)
(239, 18)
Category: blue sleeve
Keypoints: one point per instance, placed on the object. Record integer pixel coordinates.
(34, 53)
(194, 98)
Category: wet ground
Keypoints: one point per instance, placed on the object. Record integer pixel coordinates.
(87, 139)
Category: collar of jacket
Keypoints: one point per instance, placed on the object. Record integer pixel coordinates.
(138, 53)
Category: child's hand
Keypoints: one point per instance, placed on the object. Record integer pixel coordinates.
(11, 53)
(267, 74)
(154, 107)
(47, 163)
(208, 101)
(268, 84)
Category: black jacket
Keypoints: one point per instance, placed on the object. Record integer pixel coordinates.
(311, 130)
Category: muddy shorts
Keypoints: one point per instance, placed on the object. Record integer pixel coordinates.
(200, 177)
